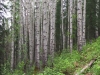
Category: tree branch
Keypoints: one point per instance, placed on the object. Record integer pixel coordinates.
(87, 66)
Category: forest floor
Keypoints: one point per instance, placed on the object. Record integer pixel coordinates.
(86, 62)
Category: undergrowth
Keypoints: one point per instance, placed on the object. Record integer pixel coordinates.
(65, 63)
(68, 63)
(71, 63)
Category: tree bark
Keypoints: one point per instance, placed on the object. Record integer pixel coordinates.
(52, 28)
(12, 38)
(45, 32)
(37, 34)
(71, 18)
(79, 24)
(62, 25)
(97, 15)
(84, 22)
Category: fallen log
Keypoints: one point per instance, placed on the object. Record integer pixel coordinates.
(87, 66)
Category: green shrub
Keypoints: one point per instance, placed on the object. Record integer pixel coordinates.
(49, 71)
(96, 69)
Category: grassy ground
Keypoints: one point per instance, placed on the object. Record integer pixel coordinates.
(69, 64)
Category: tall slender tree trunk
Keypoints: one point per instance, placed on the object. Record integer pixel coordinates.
(68, 31)
(79, 24)
(41, 32)
(97, 15)
(33, 28)
(25, 28)
(71, 18)
(37, 34)
(74, 6)
(30, 29)
(52, 28)
(45, 31)
(21, 31)
(84, 22)
(62, 25)
(12, 43)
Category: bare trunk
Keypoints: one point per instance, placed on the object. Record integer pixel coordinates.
(30, 29)
(21, 31)
(79, 24)
(52, 28)
(71, 17)
(62, 25)
(37, 34)
(97, 15)
(84, 22)
(12, 43)
(25, 36)
(45, 32)
(68, 42)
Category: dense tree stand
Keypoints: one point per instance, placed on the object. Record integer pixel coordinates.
(34, 33)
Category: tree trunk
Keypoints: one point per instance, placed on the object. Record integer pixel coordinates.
(68, 31)
(21, 31)
(30, 29)
(45, 32)
(84, 22)
(62, 25)
(71, 18)
(37, 34)
(79, 24)
(12, 43)
(52, 28)
(97, 15)
(25, 29)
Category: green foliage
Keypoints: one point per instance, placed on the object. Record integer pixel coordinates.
(18, 71)
(49, 71)
(91, 51)
(62, 63)
(96, 68)
(6, 69)
(67, 62)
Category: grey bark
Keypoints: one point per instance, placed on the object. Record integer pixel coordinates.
(68, 31)
(79, 24)
(52, 28)
(97, 15)
(84, 22)
(62, 25)
(45, 31)
(37, 34)
(71, 18)
(12, 37)
(21, 31)
(30, 29)
(25, 29)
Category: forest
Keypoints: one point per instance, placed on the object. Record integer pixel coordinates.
(49, 37)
